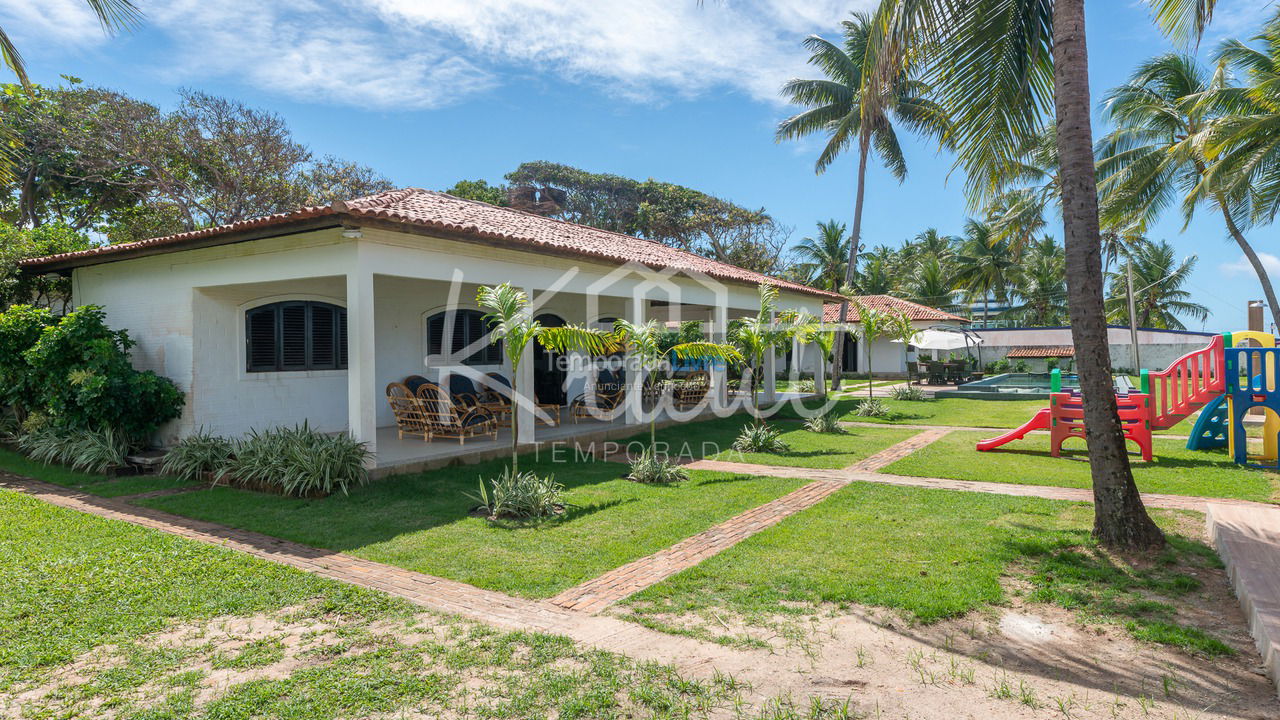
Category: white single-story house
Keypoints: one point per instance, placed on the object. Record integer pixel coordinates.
(887, 357)
(308, 315)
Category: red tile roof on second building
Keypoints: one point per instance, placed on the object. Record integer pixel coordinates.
(467, 218)
(915, 311)
(1042, 351)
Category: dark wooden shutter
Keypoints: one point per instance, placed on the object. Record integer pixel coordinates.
(342, 339)
(435, 334)
(324, 337)
(293, 336)
(260, 339)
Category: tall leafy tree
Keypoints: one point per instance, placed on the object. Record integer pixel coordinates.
(114, 15)
(932, 285)
(1040, 285)
(985, 266)
(1000, 66)
(851, 105)
(1158, 279)
(824, 258)
(1155, 156)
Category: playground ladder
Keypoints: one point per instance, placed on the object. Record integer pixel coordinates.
(1187, 385)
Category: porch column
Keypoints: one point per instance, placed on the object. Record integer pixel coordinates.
(770, 385)
(525, 420)
(719, 370)
(361, 396)
(633, 404)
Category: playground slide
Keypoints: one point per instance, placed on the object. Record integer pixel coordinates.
(1038, 422)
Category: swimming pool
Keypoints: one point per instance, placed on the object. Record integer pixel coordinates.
(1020, 386)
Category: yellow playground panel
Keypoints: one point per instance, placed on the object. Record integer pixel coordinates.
(1266, 382)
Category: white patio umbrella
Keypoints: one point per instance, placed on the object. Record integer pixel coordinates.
(943, 340)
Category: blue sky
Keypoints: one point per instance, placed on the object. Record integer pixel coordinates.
(432, 92)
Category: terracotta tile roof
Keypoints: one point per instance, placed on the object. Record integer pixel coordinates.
(1042, 351)
(431, 210)
(915, 311)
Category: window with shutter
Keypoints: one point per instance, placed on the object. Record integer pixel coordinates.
(466, 329)
(294, 336)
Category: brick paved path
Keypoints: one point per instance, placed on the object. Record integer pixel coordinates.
(600, 592)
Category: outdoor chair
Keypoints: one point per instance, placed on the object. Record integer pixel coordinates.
(495, 395)
(937, 373)
(913, 371)
(463, 390)
(446, 417)
(693, 390)
(408, 411)
(610, 391)
(413, 382)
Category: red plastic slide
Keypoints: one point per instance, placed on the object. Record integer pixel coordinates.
(1040, 421)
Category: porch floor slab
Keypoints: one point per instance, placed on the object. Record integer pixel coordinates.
(412, 454)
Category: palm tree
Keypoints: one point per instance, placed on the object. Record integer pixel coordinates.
(511, 323)
(837, 107)
(1155, 156)
(930, 243)
(1026, 189)
(1040, 285)
(754, 337)
(932, 285)
(644, 342)
(824, 258)
(1158, 278)
(877, 277)
(985, 266)
(114, 15)
(999, 67)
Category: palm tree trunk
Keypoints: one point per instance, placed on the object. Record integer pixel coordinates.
(850, 271)
(1120, 520)
(1267, 289)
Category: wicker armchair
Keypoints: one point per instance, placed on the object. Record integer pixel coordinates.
(410, 418)
(463, 390)
(495, 396)
(446, 417)
(693, 390)
(610, 391)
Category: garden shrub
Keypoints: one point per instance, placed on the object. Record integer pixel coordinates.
(760, 437)
(520, 496)
(298, 461)
(998, 366)
(197, 456)
(806, 386)
(651, 468)
(871, 407)
(20, 328)
(82, 377)
(92, 451)
(910, 393)
(827, 422)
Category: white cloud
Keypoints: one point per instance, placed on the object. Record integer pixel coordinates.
(1241, 266)
(416, 53)
(67, 22)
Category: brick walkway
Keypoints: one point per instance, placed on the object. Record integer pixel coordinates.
(600, 592)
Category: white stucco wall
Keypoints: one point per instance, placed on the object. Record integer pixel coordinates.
(186, 310)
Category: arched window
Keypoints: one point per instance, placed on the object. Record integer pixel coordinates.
(468, 330)
(295, 335)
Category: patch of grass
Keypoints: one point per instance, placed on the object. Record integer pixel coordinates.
(100, 485)
(1175, 470)
(879, 545)
(714, 439)
(423, 522)
(74, 581)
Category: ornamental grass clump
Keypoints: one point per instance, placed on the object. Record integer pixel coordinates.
(299, 462)
(93, 451)
(199, 456)
(911, 393)
(827, 422)
(871, 407)
(520, 496)
(651, 468)
(760, 437)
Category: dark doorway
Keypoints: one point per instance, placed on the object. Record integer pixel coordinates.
(850, 353)
(548, 372)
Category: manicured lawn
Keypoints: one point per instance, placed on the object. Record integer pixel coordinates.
(245, 638)
(935, 554)
(949, 411)
(713, 439)
(93, 484)
(422, 522)
(1175, 469)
